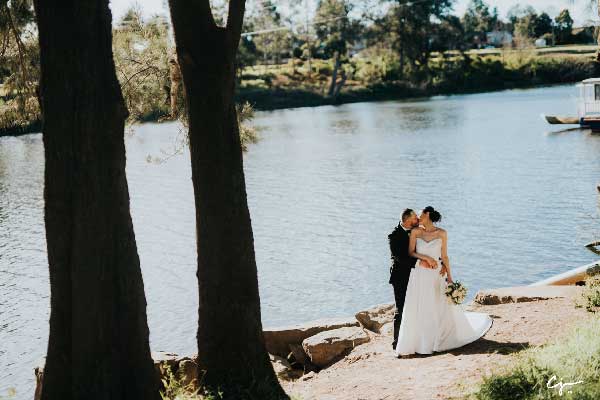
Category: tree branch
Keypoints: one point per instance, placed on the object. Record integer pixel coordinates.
(235, 20)
(189, 17)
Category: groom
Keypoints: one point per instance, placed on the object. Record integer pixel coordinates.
(402, 263)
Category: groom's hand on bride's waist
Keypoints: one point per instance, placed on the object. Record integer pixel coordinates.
(428, 263)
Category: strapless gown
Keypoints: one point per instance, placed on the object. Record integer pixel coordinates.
(430, 322)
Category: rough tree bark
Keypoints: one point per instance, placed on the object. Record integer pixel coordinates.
(231, 347)
(98, 345)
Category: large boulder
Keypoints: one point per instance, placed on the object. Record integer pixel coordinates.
(521, 294)
(376, 317)
(326, 347)
(278, 340)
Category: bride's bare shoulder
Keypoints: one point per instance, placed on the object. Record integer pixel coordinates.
(418, 230)
(442, 232)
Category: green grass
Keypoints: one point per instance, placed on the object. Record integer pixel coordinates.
(579, 49)
(574, 358)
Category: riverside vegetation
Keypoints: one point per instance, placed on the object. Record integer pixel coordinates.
(574, 358)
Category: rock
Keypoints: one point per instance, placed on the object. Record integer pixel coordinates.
(278, 340)
(521, 294)
(302, 358)
(162, 360)
(283, 369)
(185, 368)
(299, 354)
(309, 376)
(326, 347)
(374, 318)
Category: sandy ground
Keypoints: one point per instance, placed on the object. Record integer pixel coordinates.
(372, 371)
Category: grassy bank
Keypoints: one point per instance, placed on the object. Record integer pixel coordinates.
(574, 359)
(568, 367)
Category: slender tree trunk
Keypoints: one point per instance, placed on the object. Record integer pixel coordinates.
(402, 61)
(98, 345)
(340, 85)
(231, 347)
(175, 77)
(336, 66)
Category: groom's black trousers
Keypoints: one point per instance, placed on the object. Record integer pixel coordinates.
(399, 286)
(400, 272)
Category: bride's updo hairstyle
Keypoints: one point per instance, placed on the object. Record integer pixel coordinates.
(434, 216)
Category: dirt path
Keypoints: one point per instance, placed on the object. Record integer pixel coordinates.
(371, 371)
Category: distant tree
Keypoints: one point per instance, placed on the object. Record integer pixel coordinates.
(449, 34)
(231, 347)
(563, 27)
(141, 51)
(408, 27)
(335, 33)
(275, 41)
(525, 26)
(19, 63)
(516, 12)
(247, 53)
(477, 21)
(597, 29)
(542, 25)
(98, 345)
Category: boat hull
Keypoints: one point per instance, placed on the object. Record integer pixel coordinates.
(591, 123)
(558, 120)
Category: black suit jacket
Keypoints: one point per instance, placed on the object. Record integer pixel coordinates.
(401, 261)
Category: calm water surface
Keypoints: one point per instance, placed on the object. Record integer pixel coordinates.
(325, 186)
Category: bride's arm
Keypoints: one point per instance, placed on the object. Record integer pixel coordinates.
(445, 259)
(412, 249)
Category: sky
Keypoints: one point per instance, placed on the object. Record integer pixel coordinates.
(579, 9)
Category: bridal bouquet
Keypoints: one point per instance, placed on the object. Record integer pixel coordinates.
(456, 292)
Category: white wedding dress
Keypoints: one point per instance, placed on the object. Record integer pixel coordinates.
(429, 321)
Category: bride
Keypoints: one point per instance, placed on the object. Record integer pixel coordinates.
(429, 321)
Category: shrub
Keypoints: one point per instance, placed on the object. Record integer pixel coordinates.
(590, 298)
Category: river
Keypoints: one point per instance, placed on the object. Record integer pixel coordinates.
(325, 187)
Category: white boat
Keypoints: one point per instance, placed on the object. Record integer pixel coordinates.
(571, 277)
(589, 104)
(588, 107)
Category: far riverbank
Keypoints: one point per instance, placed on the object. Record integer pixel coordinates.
(294, 88)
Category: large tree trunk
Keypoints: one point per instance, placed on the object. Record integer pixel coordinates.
(98, 345)
(231, 347)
